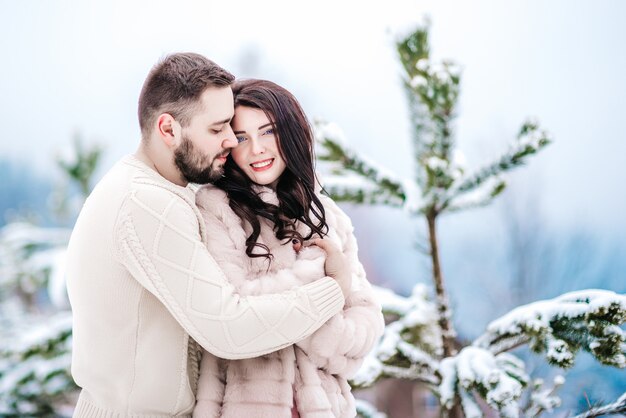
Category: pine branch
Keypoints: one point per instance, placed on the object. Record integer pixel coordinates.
(413, 373)
(366, 410)
(29, 257)
(617, 407)
(350, 161)
(470, 407)
(35, 369)
(587, 320)
(479, 197)
(432, 90)
(544, 399)
(408, 344)
(530, 140)
(373, 369)
(81, 166)
(499, 380)
(506, 343)
(395, 351)
(358, 190)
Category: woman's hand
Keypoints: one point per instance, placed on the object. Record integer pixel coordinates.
(337, 265)
(297, 245)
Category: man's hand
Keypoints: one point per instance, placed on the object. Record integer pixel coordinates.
(337, 265)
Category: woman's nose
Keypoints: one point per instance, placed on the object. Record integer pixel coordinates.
(257, 148)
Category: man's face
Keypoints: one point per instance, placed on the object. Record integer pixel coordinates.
(208, 138)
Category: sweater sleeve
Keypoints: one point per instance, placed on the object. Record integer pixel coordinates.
(211, 385)
(159, 241)
(342, 343)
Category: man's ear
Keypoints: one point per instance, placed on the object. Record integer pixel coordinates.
(168, 129)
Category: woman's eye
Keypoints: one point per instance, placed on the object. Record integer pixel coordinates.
(268, 132)
(240, 139)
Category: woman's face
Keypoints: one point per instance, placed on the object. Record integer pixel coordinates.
(257, 152)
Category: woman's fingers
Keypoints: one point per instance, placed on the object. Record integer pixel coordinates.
(326, 245)
(297, 244)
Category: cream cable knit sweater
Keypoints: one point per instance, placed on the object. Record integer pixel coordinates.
(143, 287)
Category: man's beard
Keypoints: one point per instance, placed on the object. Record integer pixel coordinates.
(195, 167)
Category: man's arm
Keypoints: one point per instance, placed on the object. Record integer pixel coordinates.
(159, 241)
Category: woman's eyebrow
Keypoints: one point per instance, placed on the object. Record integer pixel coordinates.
(259, 128)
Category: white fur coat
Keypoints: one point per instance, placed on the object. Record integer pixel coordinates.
(313, 372)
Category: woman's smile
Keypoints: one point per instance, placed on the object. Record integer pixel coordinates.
(262, 165)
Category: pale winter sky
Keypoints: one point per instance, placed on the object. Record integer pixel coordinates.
(78, 66)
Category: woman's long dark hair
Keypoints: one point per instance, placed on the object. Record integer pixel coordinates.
(296, 186)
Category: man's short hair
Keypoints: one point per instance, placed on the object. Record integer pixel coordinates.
(174, 86)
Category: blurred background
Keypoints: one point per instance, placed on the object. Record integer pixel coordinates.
(74, 70)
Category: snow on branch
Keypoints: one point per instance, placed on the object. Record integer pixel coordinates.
(30, 257)
(479, 197)
(588, 319)
(35, 367)
(542, 398)
(380, 181)
(25, 237)
(499, 379)
(367, 410)
(617, 407)
(530, 140)
(352, 188)
(407, 347)
(432, 89)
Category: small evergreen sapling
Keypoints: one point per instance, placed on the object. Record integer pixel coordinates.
(557, 329)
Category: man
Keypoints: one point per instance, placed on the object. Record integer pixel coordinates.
(143, 287)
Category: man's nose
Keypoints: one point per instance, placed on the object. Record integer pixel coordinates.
(231, 140)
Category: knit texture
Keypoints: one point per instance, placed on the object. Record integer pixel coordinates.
(145, 292)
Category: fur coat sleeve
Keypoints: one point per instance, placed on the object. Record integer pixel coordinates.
(341, 344)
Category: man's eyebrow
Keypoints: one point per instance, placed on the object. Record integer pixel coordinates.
(221, 122)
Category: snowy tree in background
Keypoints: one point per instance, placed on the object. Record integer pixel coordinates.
(36, 322)
(35, 377)
(79, 164)
(36, 326)
(420, 342)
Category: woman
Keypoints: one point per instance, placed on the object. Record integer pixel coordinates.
(265, 216)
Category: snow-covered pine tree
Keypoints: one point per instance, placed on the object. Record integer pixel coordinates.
(557, 328)
(35, 377)
(36, 326)
(81, 164)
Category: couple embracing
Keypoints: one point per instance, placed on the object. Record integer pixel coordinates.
(243, 297)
